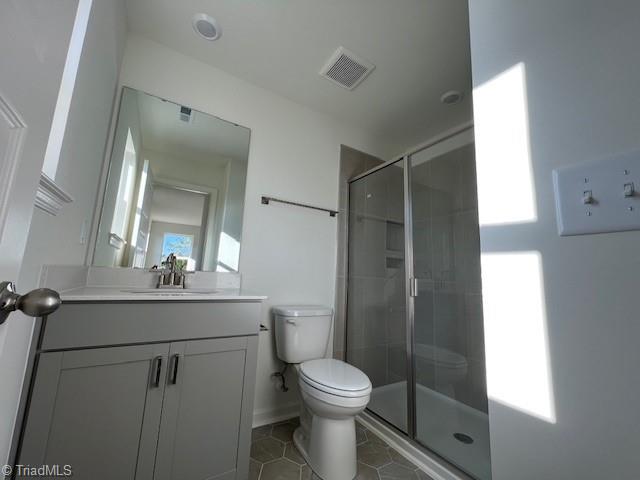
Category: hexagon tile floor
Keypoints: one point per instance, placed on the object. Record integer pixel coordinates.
(274, 457)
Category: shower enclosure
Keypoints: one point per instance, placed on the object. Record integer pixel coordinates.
(414, 305)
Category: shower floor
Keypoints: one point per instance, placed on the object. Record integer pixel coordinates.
(438, 417)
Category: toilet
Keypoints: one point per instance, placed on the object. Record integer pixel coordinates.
(451, 367)
(333, 392)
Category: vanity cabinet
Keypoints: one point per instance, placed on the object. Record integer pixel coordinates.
(202, 408)
(95, 410)
(176, 410)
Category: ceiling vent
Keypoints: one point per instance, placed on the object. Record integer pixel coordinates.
(346, 69)
(185, 114)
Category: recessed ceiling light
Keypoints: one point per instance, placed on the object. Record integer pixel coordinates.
(206, 26)
(451, 97)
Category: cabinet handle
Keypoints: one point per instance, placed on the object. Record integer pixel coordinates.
(156, 368)
(175, 360)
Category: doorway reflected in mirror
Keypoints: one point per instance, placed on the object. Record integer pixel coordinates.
(176, 185)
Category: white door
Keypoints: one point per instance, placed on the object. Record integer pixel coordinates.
(34, 38)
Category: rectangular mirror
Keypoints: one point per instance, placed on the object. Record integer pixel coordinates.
(176, 184)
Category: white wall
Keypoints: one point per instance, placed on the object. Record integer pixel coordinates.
(174, 205)
(194, 170)
(56, 240)
(287, 253)
(561, 314)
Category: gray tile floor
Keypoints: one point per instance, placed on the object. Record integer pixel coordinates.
(274, 457)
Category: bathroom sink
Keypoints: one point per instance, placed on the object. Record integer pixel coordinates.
(170, 292)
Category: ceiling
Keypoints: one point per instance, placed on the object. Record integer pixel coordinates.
(204, 137)
(172, 205)
(420, 49)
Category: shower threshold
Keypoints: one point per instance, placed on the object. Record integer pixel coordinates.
(438, 419)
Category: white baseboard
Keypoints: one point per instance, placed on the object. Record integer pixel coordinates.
(427, 463)
(266, 417)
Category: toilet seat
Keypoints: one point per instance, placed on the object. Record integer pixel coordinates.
(335, 377)
(440, 356)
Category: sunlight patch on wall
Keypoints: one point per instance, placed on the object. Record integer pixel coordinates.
(517, 351)
(506, 192)
(67, 85)
(142, 188)
(229, 253)
(125, 189)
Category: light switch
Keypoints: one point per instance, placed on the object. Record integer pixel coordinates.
(598, 197)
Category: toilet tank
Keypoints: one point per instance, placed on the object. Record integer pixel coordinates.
(302, 332)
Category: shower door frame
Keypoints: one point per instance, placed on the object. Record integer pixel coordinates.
(410, 293)
(411, 285)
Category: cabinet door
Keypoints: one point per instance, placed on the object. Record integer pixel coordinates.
(97, 410)
(204, 399)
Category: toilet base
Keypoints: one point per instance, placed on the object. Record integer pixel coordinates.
(330, 450)
(301, 441)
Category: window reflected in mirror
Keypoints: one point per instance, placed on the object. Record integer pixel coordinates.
(176, 184)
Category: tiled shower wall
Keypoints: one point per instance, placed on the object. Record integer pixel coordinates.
(352, 163)
(376, 327)
(448, 311)
(446, 243)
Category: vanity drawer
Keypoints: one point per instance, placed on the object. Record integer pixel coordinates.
(82, 325)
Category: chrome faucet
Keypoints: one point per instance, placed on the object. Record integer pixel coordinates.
(169, 276)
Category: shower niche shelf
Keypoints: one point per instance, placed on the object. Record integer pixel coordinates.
(395, 237)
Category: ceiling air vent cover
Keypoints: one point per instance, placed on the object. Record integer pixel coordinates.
(346, 69)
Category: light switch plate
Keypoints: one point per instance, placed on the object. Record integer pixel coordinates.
(590, 197)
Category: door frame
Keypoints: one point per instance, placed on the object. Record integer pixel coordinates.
(211, 223)
(28, 101)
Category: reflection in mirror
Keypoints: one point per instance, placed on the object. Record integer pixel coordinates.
(176, 185)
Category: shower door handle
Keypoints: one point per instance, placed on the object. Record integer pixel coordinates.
(413, 287)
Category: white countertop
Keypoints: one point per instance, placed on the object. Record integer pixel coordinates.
(127, 293)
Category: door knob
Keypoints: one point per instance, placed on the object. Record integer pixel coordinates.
(36, 303)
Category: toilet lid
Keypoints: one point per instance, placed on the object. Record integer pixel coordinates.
(302, 310)
(335, 376)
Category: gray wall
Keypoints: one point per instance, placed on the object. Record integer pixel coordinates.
(352, 163)
(580, 79)
(376, 332)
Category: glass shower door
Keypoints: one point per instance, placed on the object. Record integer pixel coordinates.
(414, 304)
(450, 390)
(376, 300)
